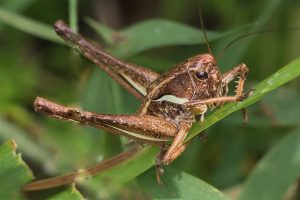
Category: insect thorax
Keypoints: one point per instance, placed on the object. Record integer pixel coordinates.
(172, 112)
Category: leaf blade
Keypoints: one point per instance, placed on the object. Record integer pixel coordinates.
(29, 26)
(70, 194)
(267, 181)
(179, 186)
(13, 171)
(154, 33)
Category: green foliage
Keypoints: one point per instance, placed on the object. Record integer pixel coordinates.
(154, 33)
(29, 26)
(32, 67)
(179, 186)
(72, 194)
(276, 172)
(14, 173)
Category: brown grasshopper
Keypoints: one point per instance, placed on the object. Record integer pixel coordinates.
(170, 102)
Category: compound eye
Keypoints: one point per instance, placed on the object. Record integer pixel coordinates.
(201, 74)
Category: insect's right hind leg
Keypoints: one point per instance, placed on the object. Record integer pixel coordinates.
(143, 128)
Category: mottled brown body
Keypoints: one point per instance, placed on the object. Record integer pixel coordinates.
(170, 101)
(183, 83)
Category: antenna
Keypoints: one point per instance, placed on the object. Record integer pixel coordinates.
(204, 32)
(247, 35)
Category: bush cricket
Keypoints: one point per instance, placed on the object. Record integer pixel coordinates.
(170, 102)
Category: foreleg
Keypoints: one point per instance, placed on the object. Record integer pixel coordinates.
(241, 71)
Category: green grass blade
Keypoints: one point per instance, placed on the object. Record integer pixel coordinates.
(33, 150)
(13, 172)
(73, 18)
(178, 185)
(29, 26)
(15, 6)
(282, 76)
(154, 33)
(70, 194)
(105, 32)
(276, 172)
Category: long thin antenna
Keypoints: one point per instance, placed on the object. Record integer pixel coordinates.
(247, 35)
(239, 38)
(204, 32)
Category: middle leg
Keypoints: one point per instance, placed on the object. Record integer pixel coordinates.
(177, 146)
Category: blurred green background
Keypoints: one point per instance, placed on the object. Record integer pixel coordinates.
(31, 66)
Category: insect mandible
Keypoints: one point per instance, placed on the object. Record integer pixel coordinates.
(170, 102)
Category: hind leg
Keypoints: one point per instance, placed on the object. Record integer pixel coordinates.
(145, 128)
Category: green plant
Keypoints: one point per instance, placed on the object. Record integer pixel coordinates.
(87, 144)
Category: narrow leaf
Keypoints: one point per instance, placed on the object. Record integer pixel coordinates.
(154, 33)
(105, 32)
(179, 185)
(73, 18)
(15, 6)
(276, 172)
(13, 172)
(70, 194)
(29, 26)
(33, 150)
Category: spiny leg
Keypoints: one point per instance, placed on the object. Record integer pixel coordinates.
(240, 70)
(132, 77)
